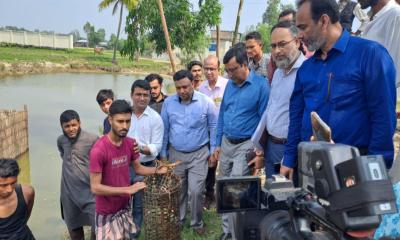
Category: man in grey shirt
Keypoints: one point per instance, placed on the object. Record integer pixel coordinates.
(271, 134)
(77, 201)
(258, 61)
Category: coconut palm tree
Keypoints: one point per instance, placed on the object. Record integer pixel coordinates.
(129, 4)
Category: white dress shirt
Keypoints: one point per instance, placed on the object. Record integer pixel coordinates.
(217, 93)
(358, 13)
(384, 28)
(148, 130)
(276, 117)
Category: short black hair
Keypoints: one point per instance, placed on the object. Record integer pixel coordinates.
(69, 115)
(287, 12)
(253, 35)
(320, 7)
(181, 74)
(120, 106)
(8, 168)
(140, 83)
(194, 63)
(238, 52)
(103, 95)
(154, 76)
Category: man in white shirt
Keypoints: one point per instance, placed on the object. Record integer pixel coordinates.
(214, 87)
(384, 27)
(348, 10)
(272, 131)
(148, 129)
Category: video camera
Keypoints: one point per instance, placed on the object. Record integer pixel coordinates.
(340, 192)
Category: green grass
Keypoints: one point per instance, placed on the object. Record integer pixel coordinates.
(78, 56)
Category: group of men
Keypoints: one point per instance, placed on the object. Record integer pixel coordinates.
(258, 113)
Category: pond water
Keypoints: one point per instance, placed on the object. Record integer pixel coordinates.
(46, 97)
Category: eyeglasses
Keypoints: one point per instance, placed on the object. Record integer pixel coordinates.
(281, 45)
(231, 70)
(142, 95)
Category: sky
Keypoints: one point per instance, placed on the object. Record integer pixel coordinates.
(63, 16)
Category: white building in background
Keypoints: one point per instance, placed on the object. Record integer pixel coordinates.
(37, 39)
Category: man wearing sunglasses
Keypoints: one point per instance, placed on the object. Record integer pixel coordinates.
(275, 121)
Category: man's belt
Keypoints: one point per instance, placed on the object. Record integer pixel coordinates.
(278, 140)
(236, 140)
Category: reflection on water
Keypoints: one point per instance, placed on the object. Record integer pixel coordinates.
(47, 96)
(24, 176)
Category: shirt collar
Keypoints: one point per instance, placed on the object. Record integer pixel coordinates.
(195, 97)
(298, 63)
(218, 84)
(340, 45)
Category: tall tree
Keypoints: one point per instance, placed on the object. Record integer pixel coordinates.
(87, 28)
(130, 4)
(239, 12)
(270, 15)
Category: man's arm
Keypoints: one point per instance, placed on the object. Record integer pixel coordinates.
(59, 146)
(156, 139)
(103, 190)
(212, 119)
(296, 111)
(29, 196)
(263, 100)
(380, 91)
(362, 17)
(165, 119)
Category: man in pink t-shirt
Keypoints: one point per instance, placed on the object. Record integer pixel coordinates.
(109, 175)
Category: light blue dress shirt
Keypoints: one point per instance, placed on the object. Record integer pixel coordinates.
(188, 127)
(242, 107)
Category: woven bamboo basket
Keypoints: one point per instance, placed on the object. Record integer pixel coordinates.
(161, 207)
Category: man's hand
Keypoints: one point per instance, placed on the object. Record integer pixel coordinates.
(136, 148)
(216, 153)
(161, 170)
(286, 171)
(134, 188)
(212, 162)
(258, 162)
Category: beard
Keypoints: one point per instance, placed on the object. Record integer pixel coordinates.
(122, 133)
(283, 62)
(73, 139)
(315, 44)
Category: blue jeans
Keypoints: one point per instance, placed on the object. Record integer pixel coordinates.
(273, 154)
(137, 210)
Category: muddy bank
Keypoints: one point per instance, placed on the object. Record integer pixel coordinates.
(24, 68)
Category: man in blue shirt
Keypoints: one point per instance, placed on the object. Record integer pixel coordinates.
(245, 99)
(190, 120)
(349, 82)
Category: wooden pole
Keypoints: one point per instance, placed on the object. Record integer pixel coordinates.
(239, 12)
(166, 34)
(218, 41)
